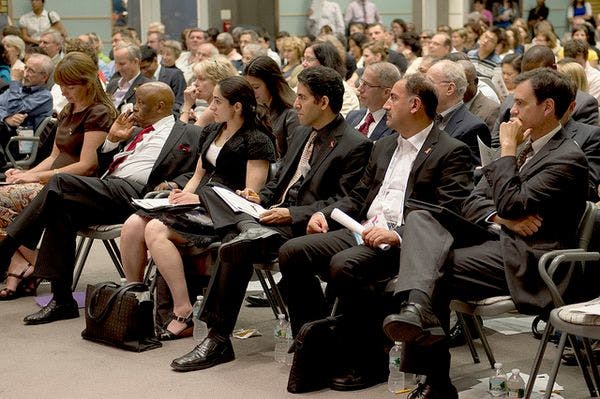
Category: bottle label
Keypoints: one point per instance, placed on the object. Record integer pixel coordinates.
(497, 384)
(395, 361)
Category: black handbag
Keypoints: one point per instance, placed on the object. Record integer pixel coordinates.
(314, 353)
(115, 316)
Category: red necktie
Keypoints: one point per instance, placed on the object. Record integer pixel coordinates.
(130, 148)
(364, 128)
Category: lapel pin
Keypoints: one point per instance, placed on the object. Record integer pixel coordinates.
(428, 150)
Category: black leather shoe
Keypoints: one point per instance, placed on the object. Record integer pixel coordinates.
(208, 353)
(427, 391)
(254, 244)
(414, 323)
(456, 337)
(353, 380)
(53, 312)
(258, 300)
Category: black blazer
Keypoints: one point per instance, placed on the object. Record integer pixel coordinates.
(586, 111)
(330, 179)
(113, 85)
(381, 130)
(466, 127)
(588, 139)
(174, 78)
(552, 184)
(442, 173)
(177, 157)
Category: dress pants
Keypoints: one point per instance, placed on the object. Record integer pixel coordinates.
(429, 263)
(65, 205)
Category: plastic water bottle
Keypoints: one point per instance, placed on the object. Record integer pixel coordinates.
(497, 385)
(289, 357)
(123, 281)
(396, 378)
(516, 385)
(200, 327)
(282, 343)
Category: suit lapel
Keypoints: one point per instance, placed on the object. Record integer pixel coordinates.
(379, 129)
(331, 144)
(456, 118)
(174, 137)
(554, 142)
(423, 154)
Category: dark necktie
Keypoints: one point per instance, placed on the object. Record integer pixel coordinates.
(364, 128)
(130, 148)
(523, 154)
(364, 8)
(303, 165)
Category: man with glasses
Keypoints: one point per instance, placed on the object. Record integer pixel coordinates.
(27, 101)
(373, 91)
(419, 162)
(439, 46)
(486, 52)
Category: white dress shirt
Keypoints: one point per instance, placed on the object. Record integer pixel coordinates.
(123, 87)
(140, 162)
(390, 198)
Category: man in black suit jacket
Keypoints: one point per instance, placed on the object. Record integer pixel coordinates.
(454, 117)
(173, 77)
(532, 200)
(335, 164)
(422, 162)
(162, 150)
(376, 83)
(128, 77)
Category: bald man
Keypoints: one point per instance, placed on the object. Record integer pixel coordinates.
(144, 147)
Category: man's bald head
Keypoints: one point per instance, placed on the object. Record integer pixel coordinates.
(154, 101)
(472, 80)
(538, 57)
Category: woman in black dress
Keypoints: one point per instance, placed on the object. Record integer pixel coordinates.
(236, 152)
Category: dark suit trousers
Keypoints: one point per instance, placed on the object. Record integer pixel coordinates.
(228, 283)
(348, 268)
(65, 205)
(429, 263)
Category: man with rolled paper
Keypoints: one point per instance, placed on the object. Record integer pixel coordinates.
(419, 162)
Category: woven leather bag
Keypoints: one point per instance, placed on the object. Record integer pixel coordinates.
(114, 316)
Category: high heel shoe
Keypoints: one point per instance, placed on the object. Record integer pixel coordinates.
(7, 294)
(187, 331)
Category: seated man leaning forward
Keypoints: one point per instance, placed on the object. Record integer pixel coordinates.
(533, 200)
(324, 161)
(419, 162)
(161, 151)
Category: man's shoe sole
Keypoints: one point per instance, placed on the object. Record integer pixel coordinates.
(398, 329)
(207, 365)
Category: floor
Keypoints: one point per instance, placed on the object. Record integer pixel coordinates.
(53, 361)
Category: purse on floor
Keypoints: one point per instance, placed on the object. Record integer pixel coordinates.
(120, 316)
(313, 349)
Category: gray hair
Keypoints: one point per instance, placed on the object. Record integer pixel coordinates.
(225, 38)
(46, 63)
(454, 73)
(252, 34)
(387, 72)
(132, 50)
(255, 49)
(54, 34)
(15, 41)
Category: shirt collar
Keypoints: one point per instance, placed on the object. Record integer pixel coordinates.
(542, 141)
(129, 82)
(159, 124)
(327, 131)
(377, 115)
(447, 114)
(418, 139)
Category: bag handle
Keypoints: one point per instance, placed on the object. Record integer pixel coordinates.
(117, 294)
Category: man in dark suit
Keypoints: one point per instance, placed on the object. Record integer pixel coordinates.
(477, 103)
(378, 31)
(127, 77)
(173, 77)
(533, 200)
(586, 109)
(164, 149)
(453, 116)
(374, 90)
(421, 162)
(325, 159)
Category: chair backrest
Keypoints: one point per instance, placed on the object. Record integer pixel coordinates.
(43, 140)
(586, 225)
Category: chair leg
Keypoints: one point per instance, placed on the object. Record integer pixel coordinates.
(593, 366)
(555, 366)
(113, 250)
(468, 337)
(484, 341)
(276, 294)
(582, 364)
(265, 287)
(535, 368)
(81, 253)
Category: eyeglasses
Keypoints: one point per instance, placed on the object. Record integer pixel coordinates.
(362, 82)
(309, 59)
(31, 70)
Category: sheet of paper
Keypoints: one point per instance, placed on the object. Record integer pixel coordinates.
(352, 225)
(239, 204)
(158, 203)
(509, 325)
(486, 153)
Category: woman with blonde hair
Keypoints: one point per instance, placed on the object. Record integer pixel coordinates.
(82, 127)
(375, 51)
(207, 74)
(292, 48)
(575, 71)
(15, 51)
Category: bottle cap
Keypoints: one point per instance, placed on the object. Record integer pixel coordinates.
(199, 298)
(497, 365)
(281, 316)
(397, 343)
(515, 371)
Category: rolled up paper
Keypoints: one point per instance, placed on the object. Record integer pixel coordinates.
(352, 225)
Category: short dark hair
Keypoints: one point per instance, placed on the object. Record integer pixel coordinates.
(328, 56)
(148, 53)
(418, 85)
(514, 60)
(548, 83)
(412, 40)
(573, 48)
(538, 56)
(324, 81)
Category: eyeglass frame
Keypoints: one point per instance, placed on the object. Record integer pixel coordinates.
(361, 81)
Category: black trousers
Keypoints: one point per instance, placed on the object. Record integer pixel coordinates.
(65, 205)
